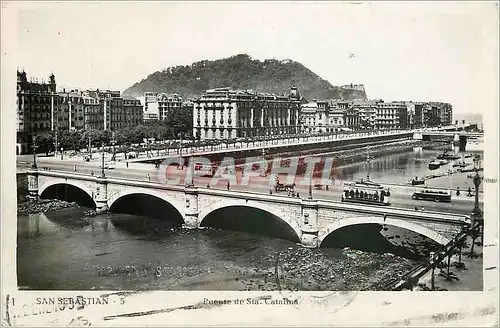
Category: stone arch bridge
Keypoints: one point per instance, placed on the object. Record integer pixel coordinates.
(311, 219)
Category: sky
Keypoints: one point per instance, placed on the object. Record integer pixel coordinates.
(399, 51)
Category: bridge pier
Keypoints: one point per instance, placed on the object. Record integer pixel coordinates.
(33, 183)
(101, 195)
(462, 143)
(309, 224)
(191, 219)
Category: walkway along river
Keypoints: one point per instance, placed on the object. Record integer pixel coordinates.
(64, 250)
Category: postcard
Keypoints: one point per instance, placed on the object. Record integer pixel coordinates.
(249, 163)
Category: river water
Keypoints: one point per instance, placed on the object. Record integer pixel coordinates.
(62, 250)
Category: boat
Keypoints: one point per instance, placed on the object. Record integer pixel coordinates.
(446, 155)
(470, 170)
(417, 181)
(434, 165)
(463, 164)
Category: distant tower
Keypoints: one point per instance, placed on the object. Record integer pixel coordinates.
(21, 77)
(294, 93)
(52, 82)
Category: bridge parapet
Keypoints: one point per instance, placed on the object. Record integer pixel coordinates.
(311, 219)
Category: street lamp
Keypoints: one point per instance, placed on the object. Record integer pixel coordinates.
(477, 214)
(368, 162)
(62, 153)
(34, 166)
(90, 148)
(477, 181)
(113, 142)
(103, 175)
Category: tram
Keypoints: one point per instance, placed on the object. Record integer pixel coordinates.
(366, 193)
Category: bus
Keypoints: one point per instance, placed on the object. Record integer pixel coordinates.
(366, 193)
(433, 194)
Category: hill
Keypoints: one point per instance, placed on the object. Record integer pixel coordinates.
(243, 72)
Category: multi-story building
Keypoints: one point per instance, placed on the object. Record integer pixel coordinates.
(418, 117)
(336, 118)
(392, 115)
(352, 118)
(314, 116)
(443, 112)
(367, 110)
(319, 116)
(35, 104)
(226, 113)
(132, 111)
(94, 113)
(167, 103)
(70, 113)
(151, 110)
(117, 113)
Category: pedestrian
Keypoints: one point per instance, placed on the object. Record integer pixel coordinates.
(208, 185)
(385, 217)
(228, 185)
(422, 209)
(149, 178)
(469, 192)
(74, 168)
(326, 187)
(92, 172)
(297, 195)
(270, 191)
(458, 191)
(127, 165)
(416, 208)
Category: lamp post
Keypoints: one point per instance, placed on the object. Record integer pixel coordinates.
(477, 214)
(477, 182)
(368, 162)
(432, 267)
(113, 142)
(34, 166)
(103, 175)
(90, 148)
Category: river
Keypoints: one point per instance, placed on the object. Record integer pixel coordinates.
(62, 250)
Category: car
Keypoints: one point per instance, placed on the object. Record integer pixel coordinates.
(108, 166)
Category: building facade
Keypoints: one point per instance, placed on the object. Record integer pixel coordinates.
(35, 104)
(133, 112)
(150, 110)
(168, 103)
(320, 116)
(225, 114)
(392, 115)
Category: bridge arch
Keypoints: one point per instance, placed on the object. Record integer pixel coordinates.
(417, 228)
(73, 183)
(176, 204)
(254, 205)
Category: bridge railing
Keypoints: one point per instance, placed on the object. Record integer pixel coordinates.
(366, 209)
(399, 212)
